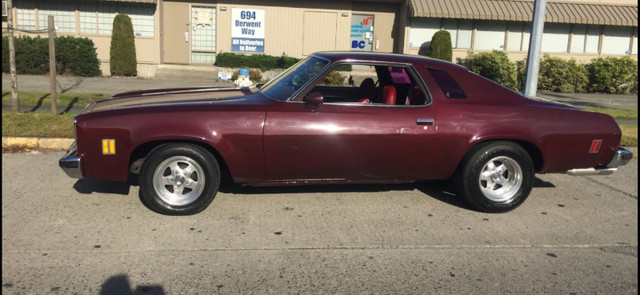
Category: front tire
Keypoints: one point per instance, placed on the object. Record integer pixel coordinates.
(179, 179)
(495, 177)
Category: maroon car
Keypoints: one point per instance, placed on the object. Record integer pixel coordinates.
(340, 117)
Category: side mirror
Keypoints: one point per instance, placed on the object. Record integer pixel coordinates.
(314, 98)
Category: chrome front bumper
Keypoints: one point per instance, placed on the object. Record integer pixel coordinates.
(621, 158)
(71, 163)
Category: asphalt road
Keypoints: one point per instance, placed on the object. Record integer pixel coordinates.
(574, 235)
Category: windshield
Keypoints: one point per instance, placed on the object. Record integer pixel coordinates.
(285, 85)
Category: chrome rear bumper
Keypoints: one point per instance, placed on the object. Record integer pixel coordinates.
(71, 163)
(621, 158)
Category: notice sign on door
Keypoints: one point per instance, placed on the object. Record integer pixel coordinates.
(247, 30)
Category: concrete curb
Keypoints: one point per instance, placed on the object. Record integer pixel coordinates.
(34, 142)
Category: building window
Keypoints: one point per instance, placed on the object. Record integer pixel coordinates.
(94, 17)
(422, 30)
(555, 37)
(465, 34)
(490, 35)
(592, 44)
(634, 46)
(451, 26)
(141, 17)
(514, 37)
(616, 40)
(579, 35)
(106, 14)
(88, 23)
(63, 13)
(26, 19)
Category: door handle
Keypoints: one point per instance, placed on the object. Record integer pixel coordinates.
(424, 121)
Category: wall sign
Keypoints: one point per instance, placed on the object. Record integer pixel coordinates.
(247, 30)
(361, 32)
(203, 17)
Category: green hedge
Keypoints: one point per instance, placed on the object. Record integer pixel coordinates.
(613, 75)
(259, 61)
(74, 56)
(494, 65)
(557, 75)
(602, 75)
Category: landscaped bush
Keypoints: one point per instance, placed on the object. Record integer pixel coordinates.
(441, 46)
(75, 56)
(561, 75)
(613, 75)
(122, 59)
(494, 65)
(260, 61)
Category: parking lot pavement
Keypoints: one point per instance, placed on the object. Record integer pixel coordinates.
(574, 235)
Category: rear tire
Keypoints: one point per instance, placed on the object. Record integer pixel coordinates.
(179, 179)
(495, 177)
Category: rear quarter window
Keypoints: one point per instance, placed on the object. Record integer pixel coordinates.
(449, 87)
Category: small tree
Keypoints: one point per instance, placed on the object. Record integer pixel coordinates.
(441, 46)
(123, 60)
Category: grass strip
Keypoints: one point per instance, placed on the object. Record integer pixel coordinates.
(43, 99)
(629, 135)
(37, 124)
(615, 113)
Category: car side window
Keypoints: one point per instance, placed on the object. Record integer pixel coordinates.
(375, 84)
(449, 87)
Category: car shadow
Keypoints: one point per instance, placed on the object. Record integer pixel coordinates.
(537, 182)
(441, 190)
(233, 188)
(94, 185)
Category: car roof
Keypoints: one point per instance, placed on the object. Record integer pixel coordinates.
(351, 56)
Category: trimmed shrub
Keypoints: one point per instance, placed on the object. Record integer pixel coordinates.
(561, 75)
(441, 46)
(74, 56)
(613, 75)
(122, 59)
(260, 61)
(494, 65)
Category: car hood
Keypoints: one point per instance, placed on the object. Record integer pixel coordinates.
(171, 96)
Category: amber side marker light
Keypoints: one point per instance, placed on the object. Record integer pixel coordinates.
(108, 146)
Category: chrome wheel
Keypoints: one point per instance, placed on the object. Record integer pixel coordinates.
(500, 179)
(179, 180)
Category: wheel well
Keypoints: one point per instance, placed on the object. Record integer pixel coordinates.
(143, 150)
(531, 149)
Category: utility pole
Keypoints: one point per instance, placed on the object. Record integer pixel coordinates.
(52, 66)
(535, 43)
(15, 102)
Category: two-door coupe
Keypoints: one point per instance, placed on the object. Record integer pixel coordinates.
(341, 117)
